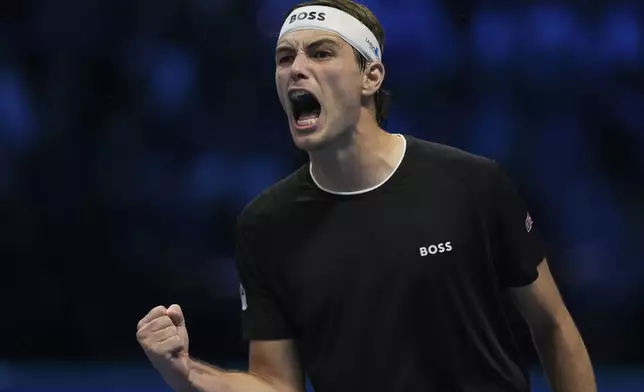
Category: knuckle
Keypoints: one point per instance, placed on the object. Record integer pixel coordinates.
(156, 324)
(155, 312)
(161, 322)
(174, 343)
(170, 332)
(159, 310)
(141, 324)
(141, 334)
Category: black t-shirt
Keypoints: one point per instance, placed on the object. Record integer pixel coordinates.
(401, 288)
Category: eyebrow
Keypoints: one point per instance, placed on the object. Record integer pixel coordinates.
(322, 41)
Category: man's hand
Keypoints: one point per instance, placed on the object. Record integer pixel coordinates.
(162, 334)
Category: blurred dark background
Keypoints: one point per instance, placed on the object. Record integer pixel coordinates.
(133, 132)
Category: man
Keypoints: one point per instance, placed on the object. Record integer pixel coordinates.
(384, 264)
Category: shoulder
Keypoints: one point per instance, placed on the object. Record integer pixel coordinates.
(453, 164)
(274, 200)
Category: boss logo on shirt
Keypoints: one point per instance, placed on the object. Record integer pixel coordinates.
(434, 249)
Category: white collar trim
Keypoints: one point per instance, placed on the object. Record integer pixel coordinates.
(361, 191)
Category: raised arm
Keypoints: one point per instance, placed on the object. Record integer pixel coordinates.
(273, 367)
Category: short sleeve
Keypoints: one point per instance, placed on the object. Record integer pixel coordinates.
(261, 317)
(518, 246)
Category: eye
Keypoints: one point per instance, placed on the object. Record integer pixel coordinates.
(322, 54)
(284, 59)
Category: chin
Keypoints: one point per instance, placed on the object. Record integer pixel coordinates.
(309, 142)
(312, 138)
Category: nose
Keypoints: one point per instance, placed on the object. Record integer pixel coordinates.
(299, 67)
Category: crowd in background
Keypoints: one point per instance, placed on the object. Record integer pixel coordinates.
(132, 133)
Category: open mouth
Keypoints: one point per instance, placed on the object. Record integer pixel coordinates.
(306, 108)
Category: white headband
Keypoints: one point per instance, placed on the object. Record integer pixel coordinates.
(318, 17)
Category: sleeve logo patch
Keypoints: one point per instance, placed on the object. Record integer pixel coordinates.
(528, 222)
(242, 294)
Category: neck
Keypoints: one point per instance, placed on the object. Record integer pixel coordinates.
(360, 159)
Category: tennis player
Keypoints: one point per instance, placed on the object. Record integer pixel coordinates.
(387, 263)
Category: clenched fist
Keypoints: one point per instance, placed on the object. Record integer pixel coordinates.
(162, 334)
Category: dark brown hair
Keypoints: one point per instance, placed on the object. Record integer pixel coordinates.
(366, 17)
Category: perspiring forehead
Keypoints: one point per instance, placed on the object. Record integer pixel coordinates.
(304, 39)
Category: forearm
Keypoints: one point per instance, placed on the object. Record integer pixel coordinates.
(565, 358)
(206, 378)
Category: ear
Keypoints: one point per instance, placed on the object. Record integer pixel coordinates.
(374, 75)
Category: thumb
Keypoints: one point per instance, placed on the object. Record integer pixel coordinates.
(176, 315)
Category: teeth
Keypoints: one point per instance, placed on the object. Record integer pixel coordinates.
(298, 93)
(307, 122)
